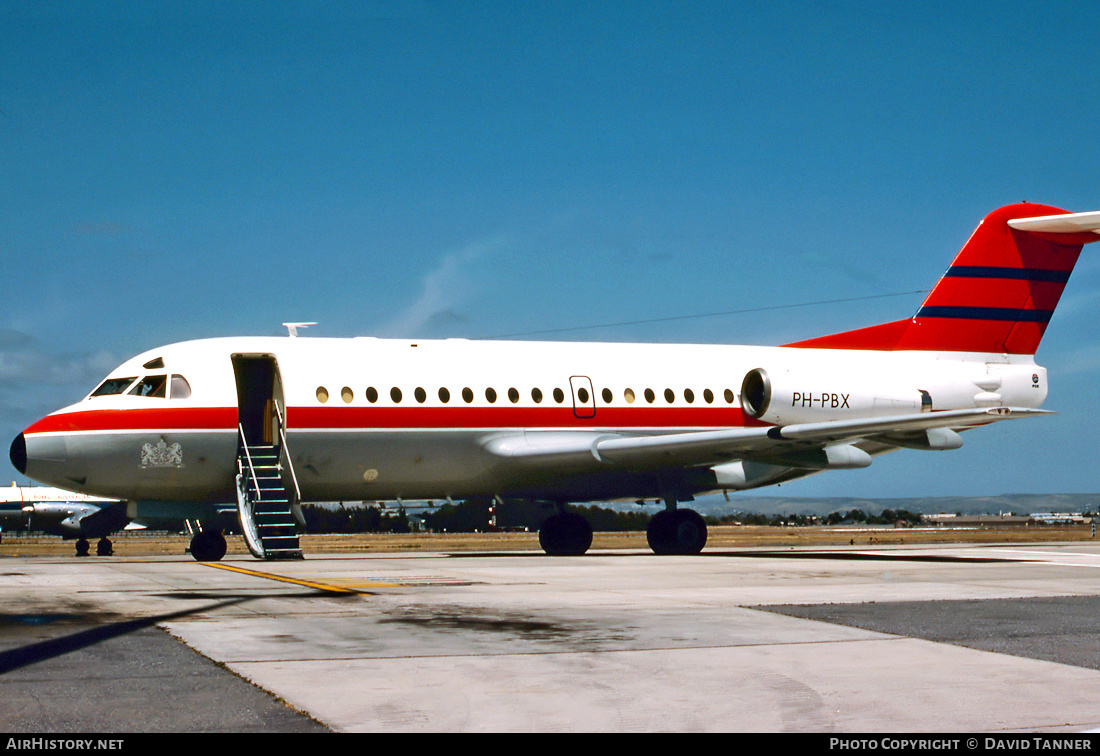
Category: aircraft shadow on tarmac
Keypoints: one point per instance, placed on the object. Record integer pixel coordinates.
(23, 656)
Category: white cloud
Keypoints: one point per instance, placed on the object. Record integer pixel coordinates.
(443, 290)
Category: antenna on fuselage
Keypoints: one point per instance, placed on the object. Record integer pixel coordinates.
(292, 328)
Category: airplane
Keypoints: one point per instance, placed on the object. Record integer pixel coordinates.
(67, 514)
(264, 423)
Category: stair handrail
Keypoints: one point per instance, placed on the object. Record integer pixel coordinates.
(248, 456)
(286, 451)
(246, 502)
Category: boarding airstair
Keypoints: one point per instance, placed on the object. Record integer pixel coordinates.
(268, 497)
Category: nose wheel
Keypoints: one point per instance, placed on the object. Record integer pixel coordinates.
(208, 546)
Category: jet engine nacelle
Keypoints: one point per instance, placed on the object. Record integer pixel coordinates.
(788, 396)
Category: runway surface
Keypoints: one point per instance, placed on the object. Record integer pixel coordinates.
(899, 639)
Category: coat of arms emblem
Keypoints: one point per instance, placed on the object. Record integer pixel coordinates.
(162, 454)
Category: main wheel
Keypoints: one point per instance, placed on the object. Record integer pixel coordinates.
(677, 531)
(104, 547)
(565, 534)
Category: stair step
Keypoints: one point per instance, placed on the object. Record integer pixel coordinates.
(272, 519)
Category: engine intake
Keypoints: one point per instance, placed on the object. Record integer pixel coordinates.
(803, 395)
(756, 393)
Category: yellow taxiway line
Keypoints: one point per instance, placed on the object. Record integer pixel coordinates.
(307, 583)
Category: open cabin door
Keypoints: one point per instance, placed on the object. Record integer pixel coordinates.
(258, 390)
(268, 499)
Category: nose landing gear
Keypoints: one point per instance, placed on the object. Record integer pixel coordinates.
(207, 544)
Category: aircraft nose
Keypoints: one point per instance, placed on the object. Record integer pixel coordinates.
(19, 454)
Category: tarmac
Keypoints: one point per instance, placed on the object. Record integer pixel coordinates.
(992, 638)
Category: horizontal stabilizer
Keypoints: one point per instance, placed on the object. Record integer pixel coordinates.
(1071, 223)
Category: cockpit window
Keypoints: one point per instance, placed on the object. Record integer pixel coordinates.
(181, 389)
(114, 386)
(151, 385)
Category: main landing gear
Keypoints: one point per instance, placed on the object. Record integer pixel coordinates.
(677, 531)
(565, 534)
(671, 531)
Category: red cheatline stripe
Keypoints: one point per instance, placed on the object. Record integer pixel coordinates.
(351, 418)
(192, 418)
(716, 416)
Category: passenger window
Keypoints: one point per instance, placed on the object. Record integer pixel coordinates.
(322, 394)
(708, 396)
(151, 385)
(372, 394)
(467, 395)
(181, 389)
(491, 395)
(689, 396)
(444, 395)
(559, 395)
(670, 397)
(649, 396)
(347, 394)
(582, 395)
(513, 395)
(395, 395)
(728, 395)
(420, 395)
(536, 395)
(113, 386)
(629, 396)
(607, 396)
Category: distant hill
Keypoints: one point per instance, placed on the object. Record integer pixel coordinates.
(717, 506)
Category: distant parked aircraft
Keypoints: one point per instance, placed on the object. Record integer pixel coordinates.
(67, 514)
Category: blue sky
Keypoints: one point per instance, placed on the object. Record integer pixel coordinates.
(475, 169)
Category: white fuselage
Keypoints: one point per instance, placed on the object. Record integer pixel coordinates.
(374, 419)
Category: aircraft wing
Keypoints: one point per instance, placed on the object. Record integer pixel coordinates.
(774, 444)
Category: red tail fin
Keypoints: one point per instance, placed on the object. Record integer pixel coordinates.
(999, 293)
